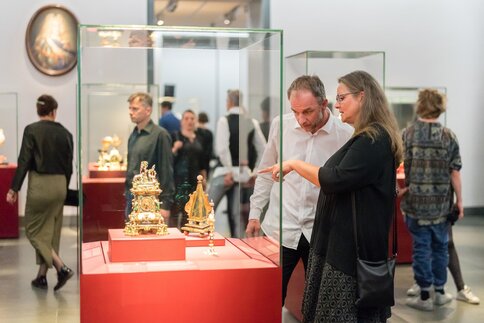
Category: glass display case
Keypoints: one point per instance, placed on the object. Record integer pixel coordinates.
(106, 139)
(197, 69)
(402, 101)
(8, 128)
(331, 65)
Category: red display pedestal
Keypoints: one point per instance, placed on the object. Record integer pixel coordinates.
(149, 247)
(94, 172)
(8, 213)
(193, 240)
(233, 286)
(103, 207)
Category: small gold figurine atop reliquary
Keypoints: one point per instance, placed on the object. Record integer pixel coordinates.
(145, 216)
(198, 209)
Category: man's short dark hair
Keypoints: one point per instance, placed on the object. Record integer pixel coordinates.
(166, 104)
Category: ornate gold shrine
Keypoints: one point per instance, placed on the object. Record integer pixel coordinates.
(145, 216)
(199, 209)
(109, 156)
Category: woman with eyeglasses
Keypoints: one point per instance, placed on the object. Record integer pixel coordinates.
(364, 167)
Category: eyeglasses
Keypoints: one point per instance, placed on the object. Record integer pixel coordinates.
(341, 97)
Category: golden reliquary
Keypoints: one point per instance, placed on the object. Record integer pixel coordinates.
(200, 212)
(109, 155)
(145, 216)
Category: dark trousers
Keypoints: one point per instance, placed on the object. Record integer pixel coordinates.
(454, 265)
(290, 258)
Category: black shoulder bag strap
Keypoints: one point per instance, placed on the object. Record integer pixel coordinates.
(395, 237)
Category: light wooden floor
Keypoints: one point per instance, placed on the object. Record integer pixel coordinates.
(20, 303)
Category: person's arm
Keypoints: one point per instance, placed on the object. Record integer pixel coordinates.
(222, 142)
(456, 182)
(165, 172)
(359, 166)
(259, 142)
(25, 160)
(263, 183)
(304, 169)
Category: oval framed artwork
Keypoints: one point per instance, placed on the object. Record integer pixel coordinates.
(51, 40)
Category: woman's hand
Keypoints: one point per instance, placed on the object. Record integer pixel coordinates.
(12, 196)
(176, 146)
(276, 169)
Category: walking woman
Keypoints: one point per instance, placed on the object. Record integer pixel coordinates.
(46, 155)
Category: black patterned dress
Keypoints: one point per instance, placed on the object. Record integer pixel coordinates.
(365, 167)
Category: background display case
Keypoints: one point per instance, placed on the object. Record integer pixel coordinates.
(331, 65)
(110, 101)
(403, 100)
(9, 221)
(198, 67)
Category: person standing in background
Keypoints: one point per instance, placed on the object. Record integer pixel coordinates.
(168, 120)
(233, 145)
(188, 152)
(46, 155)
(432, 164)
(206, 136)
(151, 143)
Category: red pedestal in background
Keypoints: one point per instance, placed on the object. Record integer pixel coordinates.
(8, 213)
(103, 209)
(235, 286)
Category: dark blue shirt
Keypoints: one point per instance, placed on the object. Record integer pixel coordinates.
(170, 122)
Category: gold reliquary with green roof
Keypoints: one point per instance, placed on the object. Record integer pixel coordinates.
(200, 212)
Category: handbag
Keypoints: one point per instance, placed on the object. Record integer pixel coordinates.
(375, 279)
(453, 215)
(72, 198)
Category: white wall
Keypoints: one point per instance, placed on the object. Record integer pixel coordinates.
(427, 43)
(17, 73)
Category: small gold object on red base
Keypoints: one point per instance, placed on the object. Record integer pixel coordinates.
(145, 217)
(198, 209)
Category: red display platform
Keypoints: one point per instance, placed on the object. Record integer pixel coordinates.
(103, 208)
(94, 172)
(9, 227)
(149, 247)
(195, 240)
(237, 285)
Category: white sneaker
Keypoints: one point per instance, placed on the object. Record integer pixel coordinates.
(441, 299)
(419, 304)
(414, 290)
(466, 295)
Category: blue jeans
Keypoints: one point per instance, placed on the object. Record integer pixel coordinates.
(430, 253)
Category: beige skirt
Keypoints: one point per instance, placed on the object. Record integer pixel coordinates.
(43, 214)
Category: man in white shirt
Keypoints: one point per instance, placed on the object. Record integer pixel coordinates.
(236, 160)
(312, 134)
